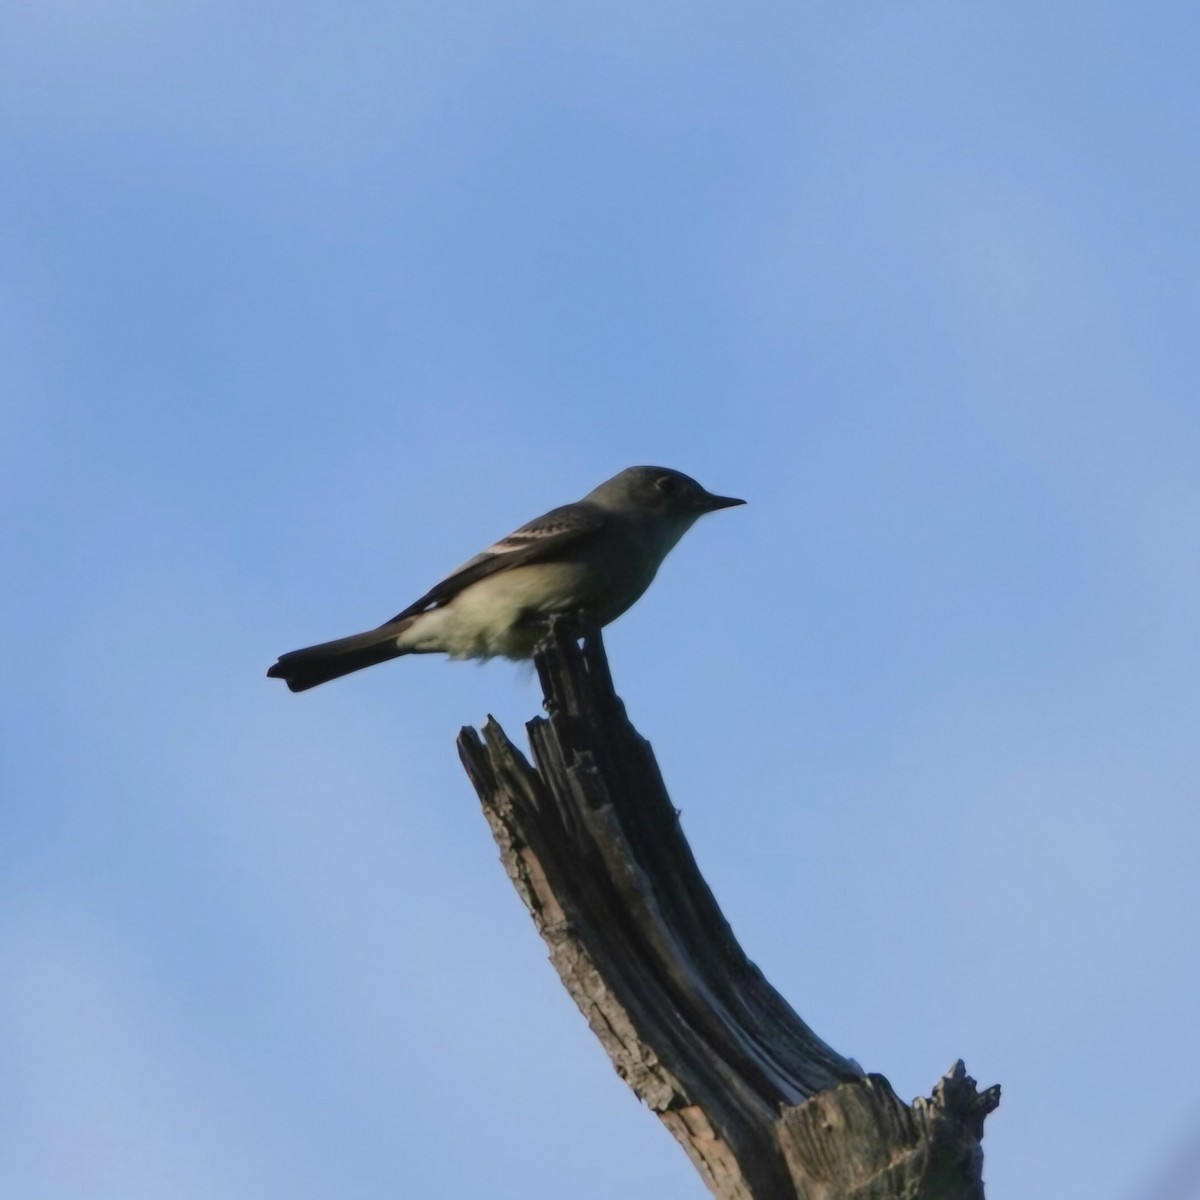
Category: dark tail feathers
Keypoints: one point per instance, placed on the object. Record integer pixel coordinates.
(303, 669)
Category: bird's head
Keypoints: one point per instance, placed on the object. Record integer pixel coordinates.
(659, 491)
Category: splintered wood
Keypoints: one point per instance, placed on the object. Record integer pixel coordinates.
(763, 1107)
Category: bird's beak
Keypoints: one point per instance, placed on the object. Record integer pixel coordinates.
(710, 503)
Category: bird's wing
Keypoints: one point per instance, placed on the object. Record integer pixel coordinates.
(547, 535)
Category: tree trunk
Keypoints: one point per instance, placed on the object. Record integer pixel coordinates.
(763, 1107)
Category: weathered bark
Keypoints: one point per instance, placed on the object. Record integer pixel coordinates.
(763, 1107)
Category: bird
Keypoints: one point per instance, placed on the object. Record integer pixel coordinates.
(591, 559)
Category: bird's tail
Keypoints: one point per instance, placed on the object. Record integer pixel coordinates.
(303, 669)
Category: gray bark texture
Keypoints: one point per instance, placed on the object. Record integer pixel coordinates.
(764, 1109)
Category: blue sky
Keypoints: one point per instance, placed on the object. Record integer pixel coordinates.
(303, 304)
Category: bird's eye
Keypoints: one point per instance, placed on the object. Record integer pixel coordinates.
(666, 484)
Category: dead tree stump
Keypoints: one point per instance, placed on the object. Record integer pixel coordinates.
(763, 1107)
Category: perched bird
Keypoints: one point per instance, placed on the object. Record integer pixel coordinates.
(592, 559)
